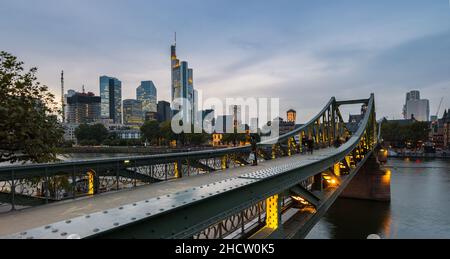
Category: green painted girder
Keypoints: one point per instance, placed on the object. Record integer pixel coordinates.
(350, 102)
(200, 165)
(131, 174)
(241, 160)
(299, 190)
(265, 154)
(23, 200)
(305, 229)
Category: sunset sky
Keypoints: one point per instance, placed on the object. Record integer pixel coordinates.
(302, 52)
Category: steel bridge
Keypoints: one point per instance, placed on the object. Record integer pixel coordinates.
(202, 195)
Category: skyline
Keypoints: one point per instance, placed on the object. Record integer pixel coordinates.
(310, 53)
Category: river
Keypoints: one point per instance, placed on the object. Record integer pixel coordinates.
(420, 206)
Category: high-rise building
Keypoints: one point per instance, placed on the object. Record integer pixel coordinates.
(111, 96)
(82, 107)
(164, 111)
(148, 95)
(182, 87)
(132, 112)
(416, 108)
(413, 95)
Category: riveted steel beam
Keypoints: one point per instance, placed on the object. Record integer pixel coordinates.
(350, 102)
(305, 194)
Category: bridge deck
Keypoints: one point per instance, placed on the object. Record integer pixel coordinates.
(15, 222)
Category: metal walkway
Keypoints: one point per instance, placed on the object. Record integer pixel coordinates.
(19, 221)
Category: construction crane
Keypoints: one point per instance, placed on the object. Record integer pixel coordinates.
(439, 108)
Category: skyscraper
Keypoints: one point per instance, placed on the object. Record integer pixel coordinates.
(111, 96)
(164, 111)
(82, 107)
(148, 95)
(416, 108)
(132, 112)
(182, 86)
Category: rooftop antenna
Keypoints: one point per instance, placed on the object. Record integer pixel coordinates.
(175, 38)
(84, 91)
(63, 104)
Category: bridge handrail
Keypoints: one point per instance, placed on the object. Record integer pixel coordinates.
(169, 157)
(284, 178)
(302, 128)
(355, 139)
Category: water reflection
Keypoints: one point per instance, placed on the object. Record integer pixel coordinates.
(420, 206)
(356, 219)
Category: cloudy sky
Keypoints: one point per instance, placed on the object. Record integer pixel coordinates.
(302, 51)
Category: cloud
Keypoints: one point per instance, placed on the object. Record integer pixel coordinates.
(300, 51)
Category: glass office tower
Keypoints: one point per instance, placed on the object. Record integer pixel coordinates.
(182, 86)
(147, 94)
(111, 95)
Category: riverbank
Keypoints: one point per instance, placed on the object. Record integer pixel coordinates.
(131, 150)
(421, 155)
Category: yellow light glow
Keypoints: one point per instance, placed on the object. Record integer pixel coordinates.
(91, 175)
(386, 179)
(337, 169)
(177, 171)
(300, 200)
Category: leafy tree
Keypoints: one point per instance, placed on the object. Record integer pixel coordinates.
(29, 128)
(418, 132)
(166, 132)
(199, 138)
(151, 131)
(91, 134)
(400, 134)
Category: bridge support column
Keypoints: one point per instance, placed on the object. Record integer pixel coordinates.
(225, 163)
(290, 145)
(91, 182)
(274, 227)
(178, 170)
(273, 217)
(300, 142)
(370, 183)
(337, 169)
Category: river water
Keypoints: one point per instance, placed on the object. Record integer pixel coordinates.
(420, 206)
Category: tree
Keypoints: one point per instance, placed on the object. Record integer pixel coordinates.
(401, 134)
(151, 131)
(167, 133)
(29, 127)
(418, 132)
(91, 134)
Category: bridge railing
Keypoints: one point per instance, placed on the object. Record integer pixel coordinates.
(32, 185)
(217, 210)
